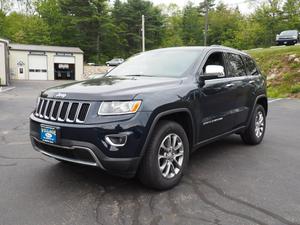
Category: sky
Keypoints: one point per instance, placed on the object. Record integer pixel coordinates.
(243, 5)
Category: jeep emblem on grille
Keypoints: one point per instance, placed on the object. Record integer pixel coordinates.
(61, 95)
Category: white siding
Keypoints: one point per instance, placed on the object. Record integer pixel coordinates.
(2, 63)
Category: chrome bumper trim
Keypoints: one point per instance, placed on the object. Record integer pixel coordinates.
(95, 164)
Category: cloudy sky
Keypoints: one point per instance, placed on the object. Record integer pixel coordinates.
(243, 5)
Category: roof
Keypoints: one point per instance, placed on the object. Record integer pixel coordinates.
(45, 48)
(200, 48)
(4, 40)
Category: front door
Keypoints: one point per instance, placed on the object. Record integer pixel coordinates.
(21, 73)
(216, 101)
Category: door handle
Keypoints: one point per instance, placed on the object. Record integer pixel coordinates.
(251, 82)
(229, 85)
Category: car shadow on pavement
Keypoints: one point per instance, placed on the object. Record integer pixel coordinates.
(96, 177)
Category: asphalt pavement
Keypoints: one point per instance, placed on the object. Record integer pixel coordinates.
(227, 182)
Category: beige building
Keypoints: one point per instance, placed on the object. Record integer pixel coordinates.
(39, 62)
(4, 62)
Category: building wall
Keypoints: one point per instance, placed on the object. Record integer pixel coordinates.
(3, 62)
(79, 73)
(20, 58)
(17, 59)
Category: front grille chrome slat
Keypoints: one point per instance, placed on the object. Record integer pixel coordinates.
(62, 111)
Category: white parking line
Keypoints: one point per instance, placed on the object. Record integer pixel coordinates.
(275, 100)
(6, 89)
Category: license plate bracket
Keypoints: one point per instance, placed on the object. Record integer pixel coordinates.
(48, 134)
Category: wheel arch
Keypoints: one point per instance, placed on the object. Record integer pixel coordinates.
(260, 100)
(182, 116)
(263, 101)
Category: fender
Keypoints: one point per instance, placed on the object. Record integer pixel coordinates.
(158, 117)
(253, 107)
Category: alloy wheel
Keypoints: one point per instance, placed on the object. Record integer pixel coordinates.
(170, 156)
(259, 124)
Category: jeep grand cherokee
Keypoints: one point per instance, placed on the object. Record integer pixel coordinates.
(146, 116)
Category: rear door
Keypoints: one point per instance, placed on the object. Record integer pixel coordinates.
(241, 86)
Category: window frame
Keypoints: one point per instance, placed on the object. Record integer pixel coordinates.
(201, 69)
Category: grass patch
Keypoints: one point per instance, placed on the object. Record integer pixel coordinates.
(278, 60)
(295, 89)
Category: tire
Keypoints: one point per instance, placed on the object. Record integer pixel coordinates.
(149, 172)
(255, 132)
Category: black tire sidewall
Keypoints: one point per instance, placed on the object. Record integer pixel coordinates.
(155, 178)
(250, 133)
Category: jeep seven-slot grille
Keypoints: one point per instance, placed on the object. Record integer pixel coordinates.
(62, 111)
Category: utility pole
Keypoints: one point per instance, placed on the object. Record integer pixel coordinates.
(143, 33)
(206, 22)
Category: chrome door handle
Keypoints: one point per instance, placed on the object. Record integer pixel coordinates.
(229, 85)
(251, 82)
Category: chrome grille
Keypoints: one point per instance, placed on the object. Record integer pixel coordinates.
(62, 111)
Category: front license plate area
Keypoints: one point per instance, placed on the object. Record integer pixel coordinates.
(48, 134)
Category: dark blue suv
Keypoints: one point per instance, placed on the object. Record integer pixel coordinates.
(146, 116)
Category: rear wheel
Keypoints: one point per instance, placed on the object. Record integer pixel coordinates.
(166, 158)
(255, 132)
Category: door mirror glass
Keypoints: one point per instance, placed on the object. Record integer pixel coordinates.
(214, 71)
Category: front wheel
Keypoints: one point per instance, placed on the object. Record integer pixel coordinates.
(255, 132)
(166, 158)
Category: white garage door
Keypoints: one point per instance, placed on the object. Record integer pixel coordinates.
(64, 59)
(38, 67)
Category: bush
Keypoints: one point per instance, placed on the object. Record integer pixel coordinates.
(295, 89)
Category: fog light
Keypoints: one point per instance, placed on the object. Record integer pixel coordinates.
(116, 140)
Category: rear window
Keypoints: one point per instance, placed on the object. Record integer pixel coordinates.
(250, 66)
(236, 66)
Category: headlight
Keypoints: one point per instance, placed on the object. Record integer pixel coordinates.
(119, 107)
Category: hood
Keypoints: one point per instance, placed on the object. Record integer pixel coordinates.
(110, 88)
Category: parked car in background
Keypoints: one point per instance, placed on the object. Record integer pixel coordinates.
(146, 116)
(288, 37)
(115, 62)
(96, 76)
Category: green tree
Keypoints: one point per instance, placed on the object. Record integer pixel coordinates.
(223, 24)
(192, 25)
(291, 13)
(172, 25)
(127, 17)
(24, 29)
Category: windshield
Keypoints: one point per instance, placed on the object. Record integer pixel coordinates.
(158, 63)
(289, 32)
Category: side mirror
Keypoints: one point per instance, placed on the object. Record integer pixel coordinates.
(214, 71)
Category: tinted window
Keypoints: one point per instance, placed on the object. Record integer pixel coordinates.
(235, 65)
(289, 32)
(160, 63)
(250, 66)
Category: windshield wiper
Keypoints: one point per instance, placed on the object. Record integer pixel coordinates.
(138, 75)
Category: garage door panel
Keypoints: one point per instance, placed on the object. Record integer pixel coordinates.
(38, 67)
(64, 59)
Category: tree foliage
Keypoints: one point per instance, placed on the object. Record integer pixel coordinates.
(104, 30)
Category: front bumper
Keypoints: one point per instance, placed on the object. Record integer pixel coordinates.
(85, 144)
